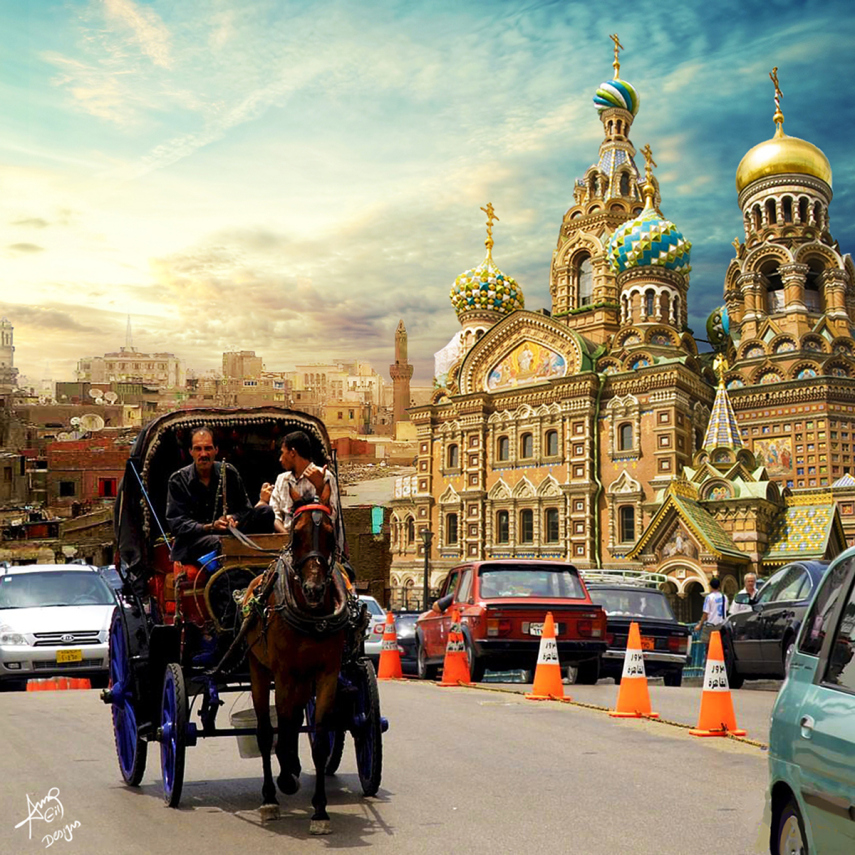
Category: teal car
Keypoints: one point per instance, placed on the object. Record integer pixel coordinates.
(810, 803)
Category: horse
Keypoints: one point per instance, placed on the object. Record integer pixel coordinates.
(298, 644)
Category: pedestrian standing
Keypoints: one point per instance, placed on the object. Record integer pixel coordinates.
(715, 611)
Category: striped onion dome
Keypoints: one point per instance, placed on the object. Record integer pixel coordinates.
(617, 93)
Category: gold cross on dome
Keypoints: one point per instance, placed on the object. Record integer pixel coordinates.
(778, 118)
(648, 161)
(618, 47)
(491, 218)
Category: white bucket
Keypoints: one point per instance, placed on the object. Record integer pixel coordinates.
(248, 745)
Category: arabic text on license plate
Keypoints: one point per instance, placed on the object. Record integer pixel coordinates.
(647, 643)
(537, 628)
(69, 655)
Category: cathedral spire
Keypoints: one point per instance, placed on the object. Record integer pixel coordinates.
(723, 430)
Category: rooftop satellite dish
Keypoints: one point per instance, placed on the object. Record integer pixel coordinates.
(63, 437)
(75, 421)
(94, 393)
(42, 399)
(99, 400)
(111, 397)
(91, 422)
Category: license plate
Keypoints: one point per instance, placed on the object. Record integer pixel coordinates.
(69, 655)
(647, 643)
(537, 629)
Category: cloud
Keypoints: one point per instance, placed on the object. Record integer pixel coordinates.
(46, 319)
(146, 26)
(26, 247)
(32, 222)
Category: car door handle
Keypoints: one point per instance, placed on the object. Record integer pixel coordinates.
(807, 724)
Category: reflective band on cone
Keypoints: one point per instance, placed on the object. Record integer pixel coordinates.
(633, 695)
(455, 668)
(390, 656)
(547, 675)
(717, 717)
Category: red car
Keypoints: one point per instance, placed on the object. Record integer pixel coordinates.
(503, 605)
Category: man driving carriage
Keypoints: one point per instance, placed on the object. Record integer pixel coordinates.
(203, 502)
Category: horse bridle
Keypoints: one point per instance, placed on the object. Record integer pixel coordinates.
(318, 511)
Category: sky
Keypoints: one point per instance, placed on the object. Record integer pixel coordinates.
(294, 178)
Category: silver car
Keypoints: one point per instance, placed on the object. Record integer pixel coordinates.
(54, 620)
(374, 634)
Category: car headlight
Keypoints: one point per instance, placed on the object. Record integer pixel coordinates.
(10, 638)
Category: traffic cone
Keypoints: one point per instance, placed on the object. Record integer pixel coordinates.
(63, 682)
(390, 656)
(717, 717)
(85, 683)
(34, 684)
(455, 668)
(633, 696)
(547, 675)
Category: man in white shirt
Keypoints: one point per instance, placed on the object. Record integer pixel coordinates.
(715, 611)
(750, 589)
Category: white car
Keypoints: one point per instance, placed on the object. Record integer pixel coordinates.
(54, 621)
(374, 634)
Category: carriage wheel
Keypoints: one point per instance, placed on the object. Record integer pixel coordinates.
(173, 733)
(367, 730)
(131, 750)
(336, 739)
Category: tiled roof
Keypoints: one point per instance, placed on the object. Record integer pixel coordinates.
(722, 429)
(707, 526)
(846, 481)
(802, 531)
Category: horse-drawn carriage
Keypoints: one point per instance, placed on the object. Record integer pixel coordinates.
(184, 635)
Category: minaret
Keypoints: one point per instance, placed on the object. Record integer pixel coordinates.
(8, 372)
(401, 372)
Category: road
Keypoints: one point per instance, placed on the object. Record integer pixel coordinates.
(465, 770)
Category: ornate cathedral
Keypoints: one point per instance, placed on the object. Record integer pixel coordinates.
(597, 434)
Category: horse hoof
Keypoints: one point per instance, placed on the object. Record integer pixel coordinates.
(320, 826)
(288, 784)
(269, 813)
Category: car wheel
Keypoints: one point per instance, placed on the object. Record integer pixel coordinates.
(673, 678)
(13, 685)
(423, 670)
(587, 673)
(734, 678)
(476, 665)
(790, 837)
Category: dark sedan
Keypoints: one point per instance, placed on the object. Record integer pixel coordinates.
(405, 629)
(758, 641)
(664, 641)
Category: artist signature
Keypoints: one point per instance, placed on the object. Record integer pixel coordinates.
(49, 809)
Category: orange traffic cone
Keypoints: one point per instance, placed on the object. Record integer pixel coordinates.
(717, 717)
(455, 668)
(85, 683)
(633, 696)
(34, 684)
(547, 675)
(390, 656)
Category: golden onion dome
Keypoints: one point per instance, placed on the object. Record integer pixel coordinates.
(782, 155)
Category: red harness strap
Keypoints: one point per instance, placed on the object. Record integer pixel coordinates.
(316, 507)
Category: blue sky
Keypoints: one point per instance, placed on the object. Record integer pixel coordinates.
(293, 178)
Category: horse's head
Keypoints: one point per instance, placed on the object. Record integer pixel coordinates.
(313, 546)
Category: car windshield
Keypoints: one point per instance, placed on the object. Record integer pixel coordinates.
(640, 603)
(54, 588)
(373, 606)
(526, 581)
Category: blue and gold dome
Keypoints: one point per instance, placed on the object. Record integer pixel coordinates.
(649, 241)
(617, 93)
(485, 288)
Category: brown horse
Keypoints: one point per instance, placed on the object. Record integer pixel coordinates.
(298, 647)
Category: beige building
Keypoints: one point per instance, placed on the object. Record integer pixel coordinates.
(128, 365)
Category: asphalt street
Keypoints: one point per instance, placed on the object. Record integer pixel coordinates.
(465, 770)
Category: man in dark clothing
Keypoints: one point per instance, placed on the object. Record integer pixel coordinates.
(202, 505)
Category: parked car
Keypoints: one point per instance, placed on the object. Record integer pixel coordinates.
(374, 633)
(757, 643)
(54, 620)
(503, 605)
(405, 629)
(664, 640)
(810, 801)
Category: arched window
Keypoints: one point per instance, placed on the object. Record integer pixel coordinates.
(757, 216)
(649, 303)
(550, 525)
(775, 297)
(625, 437)
(503, 448)
(453, 456)
(624, 184)
(787, 207)
(552, 443)
(503, 527)
(771, 212)
(584, 275)
(451, 529)
(627, 524)
(411, 531)
(526, 446)
(817, 215)
(803, 210)
(813, 292)
(527, 526)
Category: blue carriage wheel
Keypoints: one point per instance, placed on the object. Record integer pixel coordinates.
(131, 749)
(173, 733)
(367, 728)
(336, 740)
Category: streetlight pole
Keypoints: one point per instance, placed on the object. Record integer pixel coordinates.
(427, 536)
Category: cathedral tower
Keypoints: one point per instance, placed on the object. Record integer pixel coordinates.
(400, 372)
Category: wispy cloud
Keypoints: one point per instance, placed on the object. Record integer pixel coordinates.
(26, 247)
(145, 27)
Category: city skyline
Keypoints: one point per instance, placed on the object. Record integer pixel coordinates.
(294, 179)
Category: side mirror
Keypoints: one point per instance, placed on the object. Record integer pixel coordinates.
(741, 598)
